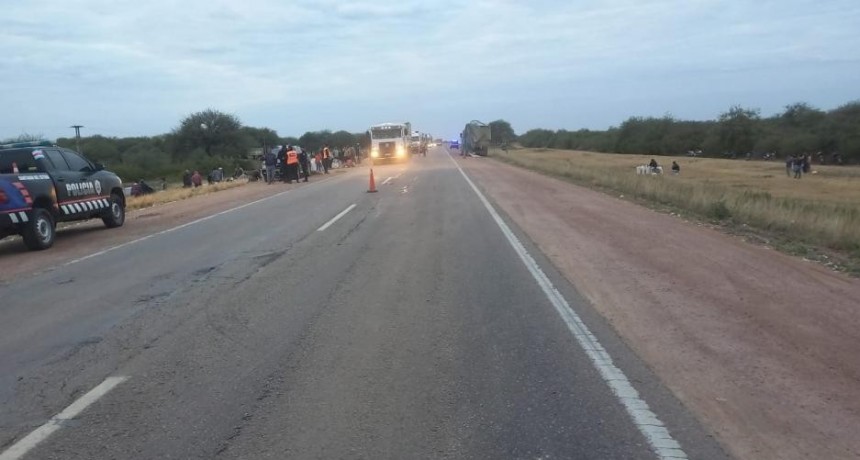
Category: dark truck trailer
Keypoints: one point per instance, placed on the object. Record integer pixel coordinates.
(42, 184)
(476, 138)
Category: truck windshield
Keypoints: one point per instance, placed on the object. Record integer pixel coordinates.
(386, 133)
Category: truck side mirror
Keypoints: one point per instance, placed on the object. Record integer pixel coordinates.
(99, 167)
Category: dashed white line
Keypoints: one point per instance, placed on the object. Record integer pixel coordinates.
(172, 229)
(386, 181)
(335, 218)
(645, 420)
(179, 227)
(27, 443)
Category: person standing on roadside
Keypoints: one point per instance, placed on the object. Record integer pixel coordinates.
(326, 157)
(270, 161)
(196, 179)
(304, 162)
(186, 179)
(797, 167)
(282, 162)
(292, 162)
(789, 163)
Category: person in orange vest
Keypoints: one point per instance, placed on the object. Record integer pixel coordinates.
(326, 154)
(292, 161)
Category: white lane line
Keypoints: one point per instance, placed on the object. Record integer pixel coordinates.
(187, 224)
(386, 181)
(335, 218)
(27, 443)
(649, 425)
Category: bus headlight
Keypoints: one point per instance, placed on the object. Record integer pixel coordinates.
(374, 152)
(400, 151)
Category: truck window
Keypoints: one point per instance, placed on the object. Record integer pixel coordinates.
(77, 162)
(56, 160)
(23, 160)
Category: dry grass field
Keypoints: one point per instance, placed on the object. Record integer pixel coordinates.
(821, 209)
(178, 193)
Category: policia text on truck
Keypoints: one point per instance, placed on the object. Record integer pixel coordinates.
(41, 185)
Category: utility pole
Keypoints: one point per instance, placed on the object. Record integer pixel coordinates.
(77, 136)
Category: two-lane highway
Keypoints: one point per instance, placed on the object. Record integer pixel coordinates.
(324, 322)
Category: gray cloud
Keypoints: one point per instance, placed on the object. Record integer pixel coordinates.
(128, 67)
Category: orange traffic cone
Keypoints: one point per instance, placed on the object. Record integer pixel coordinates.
(372, 188)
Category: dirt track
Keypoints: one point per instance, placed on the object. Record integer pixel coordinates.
(762, 347)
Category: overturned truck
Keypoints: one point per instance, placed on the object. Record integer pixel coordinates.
(476, 138)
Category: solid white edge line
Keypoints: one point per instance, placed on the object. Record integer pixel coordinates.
(335, 218)
(646, 421)
(27, 443)
(187, 224)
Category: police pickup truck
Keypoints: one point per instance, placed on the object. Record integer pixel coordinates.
(42, 184)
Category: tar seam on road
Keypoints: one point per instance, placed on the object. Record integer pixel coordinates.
(645, 420)
(27, 443)
(178, 227)
(335, 218)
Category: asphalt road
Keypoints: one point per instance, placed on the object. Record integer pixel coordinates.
(407, 328)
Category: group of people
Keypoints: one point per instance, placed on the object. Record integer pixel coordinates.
(142, 188)
(194, 179)
(656, 169)
(288, 163)
(294, 163)
(798, 164)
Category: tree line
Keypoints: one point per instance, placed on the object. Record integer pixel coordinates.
(798, 129)
(202, 141)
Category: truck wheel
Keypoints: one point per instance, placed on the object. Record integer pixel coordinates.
(40, 231)
(115, 215)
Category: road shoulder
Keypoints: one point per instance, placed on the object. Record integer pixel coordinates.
(736, 332)
(81, 239)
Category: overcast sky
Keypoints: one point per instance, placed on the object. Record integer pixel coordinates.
(132, 67)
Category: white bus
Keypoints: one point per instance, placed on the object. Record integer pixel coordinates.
(389, 141)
